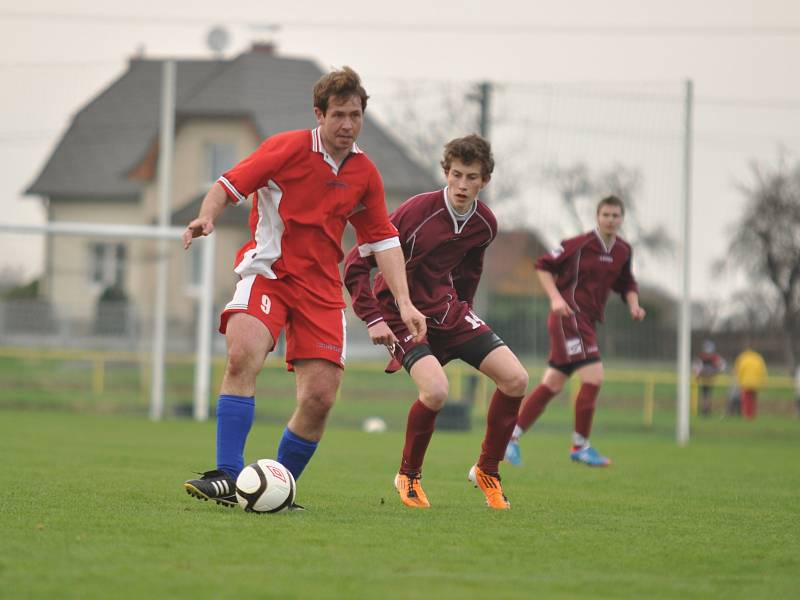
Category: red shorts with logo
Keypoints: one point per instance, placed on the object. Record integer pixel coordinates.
(458, 326)
(572, 339)
(313, 330)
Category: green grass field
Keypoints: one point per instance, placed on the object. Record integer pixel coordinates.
(94, 508)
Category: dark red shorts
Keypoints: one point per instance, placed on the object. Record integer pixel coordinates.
(458, 326)
(572, 339)
(313, 330)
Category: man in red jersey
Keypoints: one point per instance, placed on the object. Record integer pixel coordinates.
(577, 277)
(444, 235)
(305, 186)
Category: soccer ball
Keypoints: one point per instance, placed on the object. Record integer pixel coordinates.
(265, 486)
(374, 425)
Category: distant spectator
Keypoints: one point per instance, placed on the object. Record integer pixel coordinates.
(734, 407)
(750, 372)
(706, 367)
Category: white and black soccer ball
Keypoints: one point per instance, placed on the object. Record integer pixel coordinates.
(374, 425)
(265, 486)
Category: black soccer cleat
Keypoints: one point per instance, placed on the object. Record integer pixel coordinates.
(213, 485)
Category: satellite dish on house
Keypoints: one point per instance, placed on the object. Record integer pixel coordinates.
(218, 40)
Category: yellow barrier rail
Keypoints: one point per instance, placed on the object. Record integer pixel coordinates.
(456, 372)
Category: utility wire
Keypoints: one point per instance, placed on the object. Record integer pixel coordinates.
(725, 30)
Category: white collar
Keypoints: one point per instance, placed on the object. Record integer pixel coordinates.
(602, 242)
(459, 221)
(318, 146)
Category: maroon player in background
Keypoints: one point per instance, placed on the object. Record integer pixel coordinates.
(444, 235)
(577, 277)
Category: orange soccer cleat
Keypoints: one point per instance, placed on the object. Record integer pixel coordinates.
(410, 490)
(490, 486)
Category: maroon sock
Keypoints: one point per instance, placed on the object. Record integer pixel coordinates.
(419, 429)
(584, 408)
(534, 405)
(500, 423)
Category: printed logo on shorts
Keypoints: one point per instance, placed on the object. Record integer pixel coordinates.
(590, 349)
(326, 346)
(574, 346)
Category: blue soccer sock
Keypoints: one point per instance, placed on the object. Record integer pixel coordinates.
(234, 418)
(294, 452)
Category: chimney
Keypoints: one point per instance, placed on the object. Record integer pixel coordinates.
(263, 47)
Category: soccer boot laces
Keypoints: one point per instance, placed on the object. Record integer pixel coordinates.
(410, 490)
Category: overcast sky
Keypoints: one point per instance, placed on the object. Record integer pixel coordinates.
(740, 55)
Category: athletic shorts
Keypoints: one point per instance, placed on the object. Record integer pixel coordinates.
(313, 330)
(573, 342)
(460, 334)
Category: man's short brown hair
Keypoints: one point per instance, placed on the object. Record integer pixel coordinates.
(342, 84)
(468, 150)
(611, 201)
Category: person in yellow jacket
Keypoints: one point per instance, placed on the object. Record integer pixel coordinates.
(750, 372)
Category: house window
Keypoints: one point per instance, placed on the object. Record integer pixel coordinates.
(219, 158)
(107, 264)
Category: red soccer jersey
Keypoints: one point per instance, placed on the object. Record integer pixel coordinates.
(444, 258)
(585, 270)
(301, 204)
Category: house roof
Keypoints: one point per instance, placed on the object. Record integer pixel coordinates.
(509, 266)
(111, 135)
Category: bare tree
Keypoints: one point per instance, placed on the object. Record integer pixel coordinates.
(573, 183)
(625, 183)
(765, 245)
(579, 191)
(426, 116)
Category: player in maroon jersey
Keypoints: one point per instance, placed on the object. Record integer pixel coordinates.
(305, 186)
(577, 277)
(706, 367)
(444, 235)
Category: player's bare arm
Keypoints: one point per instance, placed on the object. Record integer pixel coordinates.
(557, 303)
(212, 206)
(637, 312)
(392, 264)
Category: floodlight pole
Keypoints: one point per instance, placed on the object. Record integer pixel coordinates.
(685, 323)
(165, 152)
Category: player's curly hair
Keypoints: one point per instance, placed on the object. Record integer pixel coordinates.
(468, 150)
(342, 84)
(611, 201)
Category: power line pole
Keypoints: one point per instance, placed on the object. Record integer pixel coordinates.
(482, 95)
(483, 98)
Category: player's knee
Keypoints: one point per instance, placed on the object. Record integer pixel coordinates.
(241, 363)
(317, 403)
(554, 387)
(434, 396)
(514, 383)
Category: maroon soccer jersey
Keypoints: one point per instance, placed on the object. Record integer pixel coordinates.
(444, 258)
(585, 270)
(302, 201)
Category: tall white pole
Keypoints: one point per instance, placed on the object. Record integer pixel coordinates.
(685, 325)
(202, 369)
(166, 148)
